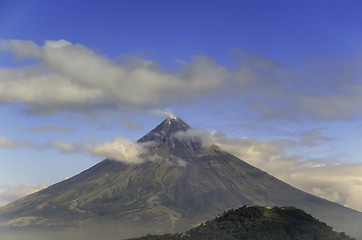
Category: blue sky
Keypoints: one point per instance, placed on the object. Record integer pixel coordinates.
(277, 83)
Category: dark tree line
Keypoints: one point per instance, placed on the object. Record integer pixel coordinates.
(261, 223)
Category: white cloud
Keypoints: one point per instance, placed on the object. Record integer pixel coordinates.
(11, 193)
(339, 182)
(71, 77)
(120, 149)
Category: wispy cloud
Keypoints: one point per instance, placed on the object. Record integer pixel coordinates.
(7, 143)
(129, 123)
(51, 128)
(333, 106)
(10, 193)
(119, 149)
(311, 138)
(67, 147)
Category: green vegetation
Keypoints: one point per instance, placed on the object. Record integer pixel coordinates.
(259, 223)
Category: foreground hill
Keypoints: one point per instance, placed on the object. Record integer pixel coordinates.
(259, 223)
(180, 183)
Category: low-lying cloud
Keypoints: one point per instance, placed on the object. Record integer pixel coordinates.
(11, 193)
(73, 78)
(119, 149)
(327, 178)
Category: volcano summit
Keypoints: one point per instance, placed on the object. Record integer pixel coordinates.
(180, 183)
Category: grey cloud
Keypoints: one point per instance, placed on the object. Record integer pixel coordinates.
(128, 123)
(71, 77)
(23, 48)
(335, 88)
(310, 138)
(51, 128)
(333, 106)
(105, 127)
(305, 138)
(323, 90)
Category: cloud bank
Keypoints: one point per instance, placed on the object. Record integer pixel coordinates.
(63, 76)
(73, 78)
(119, 149)
(326, 178)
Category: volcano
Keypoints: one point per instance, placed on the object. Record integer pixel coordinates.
(180, 183)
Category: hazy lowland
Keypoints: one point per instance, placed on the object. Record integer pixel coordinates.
(180, 183)
(279, 223)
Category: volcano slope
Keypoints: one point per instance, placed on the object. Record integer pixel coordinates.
(179, 184)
